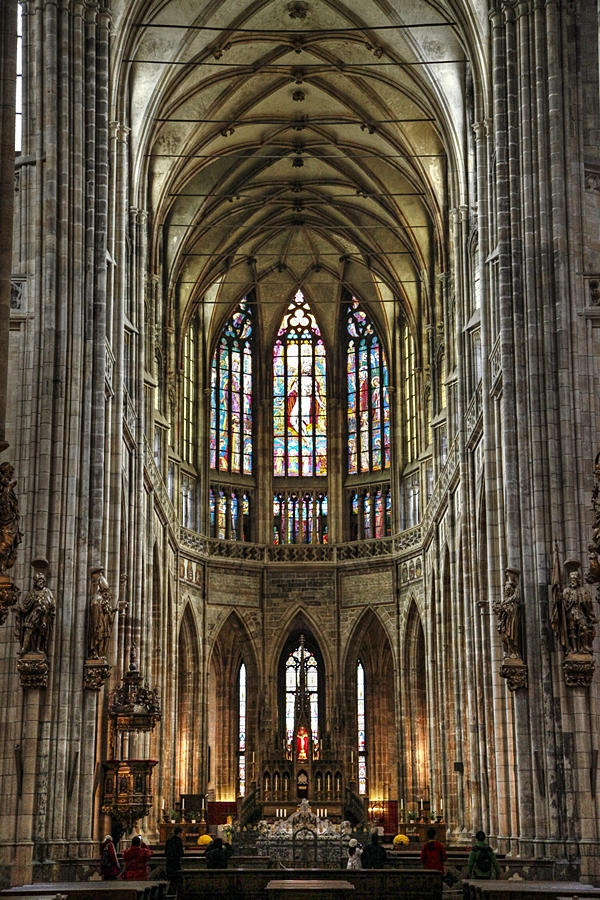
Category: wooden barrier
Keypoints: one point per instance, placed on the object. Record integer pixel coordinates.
(251, 884)
(91, 890)
(542, 890)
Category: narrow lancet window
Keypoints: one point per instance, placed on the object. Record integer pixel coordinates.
(368, 395)
(231, 396)
(242, 732)
(360, 719)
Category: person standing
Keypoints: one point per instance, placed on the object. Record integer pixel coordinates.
(136, 860)
(354, 854)
(433, 852)
(482, 859)
(109, 863)
(174, 851)
(374, 856)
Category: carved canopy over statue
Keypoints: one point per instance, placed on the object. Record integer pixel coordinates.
(10, 535)
(102, 615)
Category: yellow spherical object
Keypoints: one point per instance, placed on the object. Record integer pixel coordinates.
(204, 840)
(401, 839)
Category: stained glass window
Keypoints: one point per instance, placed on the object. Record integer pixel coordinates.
(300, 518)
(229, 513)
(299, 394)
(360, 721)
(368, 395)
(370, 513)
(410, 395)
(242, 732)
(231, 395)
(292, 683)
(189, 389)
(19, 83)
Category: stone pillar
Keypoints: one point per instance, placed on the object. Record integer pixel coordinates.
(8, 59)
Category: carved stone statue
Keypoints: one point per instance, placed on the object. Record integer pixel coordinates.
(10, 536)
(508, 612)
(573, 618)
(35, 616)
(102, 615)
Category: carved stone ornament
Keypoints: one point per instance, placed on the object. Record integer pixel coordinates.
(134, 706)
(9, 594)
(578, 669)
(95, 673)
(101, 616)
(10, 535)
(33, 669)
(592, 576)
(297, 10)
(515, 672)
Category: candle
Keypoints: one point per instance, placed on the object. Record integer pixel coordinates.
(421, 803)
(401, 802)
(183, 802)
(352, 756)
(441, 804)
(162, 803)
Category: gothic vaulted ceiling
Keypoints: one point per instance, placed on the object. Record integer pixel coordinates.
(278, 144)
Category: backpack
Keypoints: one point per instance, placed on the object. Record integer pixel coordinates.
(483, 862)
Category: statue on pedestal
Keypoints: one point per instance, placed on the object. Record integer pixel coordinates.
(33, 628)
(508, 613)
(574, 623)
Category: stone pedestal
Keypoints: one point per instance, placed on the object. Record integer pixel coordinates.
(515, 672)
(33, 669)
(95, 673)
(578, 669)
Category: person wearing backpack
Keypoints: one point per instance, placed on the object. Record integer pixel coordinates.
(482, 859)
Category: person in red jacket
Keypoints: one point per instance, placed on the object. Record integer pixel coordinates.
(433, 854)
(109, 864)
(136, 860)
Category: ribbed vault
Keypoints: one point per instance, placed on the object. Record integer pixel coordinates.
(278, 144)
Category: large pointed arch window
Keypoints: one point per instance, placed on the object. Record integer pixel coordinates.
(301, 668)
(231, 395)
(299, 395)
(368, 395)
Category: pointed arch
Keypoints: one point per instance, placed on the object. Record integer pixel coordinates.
(416, 716)
(188, 703)
(301, 626)
(370, 646)
(232, 648)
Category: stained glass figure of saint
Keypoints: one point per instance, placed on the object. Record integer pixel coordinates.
(299, 394)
